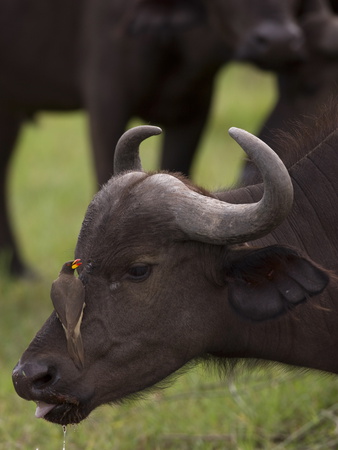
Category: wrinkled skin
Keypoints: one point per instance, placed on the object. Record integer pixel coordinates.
(156, 300)
(123, 59)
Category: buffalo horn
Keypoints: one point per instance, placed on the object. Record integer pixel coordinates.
(211, 220)
(127, 148)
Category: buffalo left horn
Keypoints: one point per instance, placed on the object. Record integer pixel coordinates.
(214, 221)
(127, 148)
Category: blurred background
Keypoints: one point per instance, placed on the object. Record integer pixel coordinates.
(49, 183)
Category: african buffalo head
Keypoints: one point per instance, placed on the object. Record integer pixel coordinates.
(265, 32)
(274, 34)
(168, 277)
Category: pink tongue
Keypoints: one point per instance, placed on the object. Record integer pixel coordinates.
(42, 409)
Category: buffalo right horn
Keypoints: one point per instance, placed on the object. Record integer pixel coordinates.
(127, 148)
(210, 220)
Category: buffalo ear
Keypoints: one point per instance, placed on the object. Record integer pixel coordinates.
(265, 283)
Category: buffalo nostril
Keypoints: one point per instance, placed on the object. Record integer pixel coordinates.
(43, 380)
(261, 40)
(31, 378)
(270, 36)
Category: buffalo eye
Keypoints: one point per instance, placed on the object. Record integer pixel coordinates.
(138, 272)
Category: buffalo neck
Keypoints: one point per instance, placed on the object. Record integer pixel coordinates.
(304, 337)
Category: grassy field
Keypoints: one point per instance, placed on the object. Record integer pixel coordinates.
(51, 184)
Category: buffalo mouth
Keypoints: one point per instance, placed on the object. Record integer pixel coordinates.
(61, 413)
(57, 402)
(61, 409)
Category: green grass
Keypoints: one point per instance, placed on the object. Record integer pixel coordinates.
(51, 185)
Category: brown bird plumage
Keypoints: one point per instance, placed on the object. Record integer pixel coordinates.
(68, 295)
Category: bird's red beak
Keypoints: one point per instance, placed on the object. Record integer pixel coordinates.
(76, 263)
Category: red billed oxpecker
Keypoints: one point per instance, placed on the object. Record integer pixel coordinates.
(68, 294)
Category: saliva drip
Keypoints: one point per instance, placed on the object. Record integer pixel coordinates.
(64, 428)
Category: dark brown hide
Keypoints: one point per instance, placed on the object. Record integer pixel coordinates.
(156, 300)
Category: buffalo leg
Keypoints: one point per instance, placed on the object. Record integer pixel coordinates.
(107, 120)
(182, 139)
(104, 135)
(10, 125)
